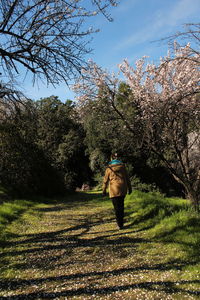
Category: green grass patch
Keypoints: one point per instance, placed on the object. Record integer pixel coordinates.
(157, 252)
(148, 209)
(171, 222)
(16, 209)
(2, 190)
(10, 211)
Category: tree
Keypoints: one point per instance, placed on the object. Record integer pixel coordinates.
(166, 98)
(46, 37)
(24, 169)
(41, 149)
(191, 33)
(105, 130)
(60, 137)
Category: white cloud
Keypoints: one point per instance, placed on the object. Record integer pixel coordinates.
(162, 23)
(182, 10)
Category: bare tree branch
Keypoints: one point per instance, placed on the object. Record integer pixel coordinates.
(47, 37)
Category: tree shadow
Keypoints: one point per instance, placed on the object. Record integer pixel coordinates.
(34, 246)
(74, 198)
(169, 287)
(74, 241)
(84, 196)
(79, 236)
(70, 239)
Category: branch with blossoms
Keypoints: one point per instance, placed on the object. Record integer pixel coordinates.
(166, 95)
(173, 81)
(191, 34)
(167, 102)
(95, 84)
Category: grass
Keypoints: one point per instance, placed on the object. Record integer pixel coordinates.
(170, 222)
(14, 209)
(18, 209)
(71, 248)
(163, 215)
(11, 211)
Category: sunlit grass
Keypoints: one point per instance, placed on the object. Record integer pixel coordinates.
(16, 209)
(149, 209)
(10, 211)
(171, 222)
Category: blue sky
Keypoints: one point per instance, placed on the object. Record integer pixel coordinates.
(137, 25)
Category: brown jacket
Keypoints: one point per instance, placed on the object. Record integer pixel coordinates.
(117, 178)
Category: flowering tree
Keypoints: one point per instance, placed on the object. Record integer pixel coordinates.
(166, 101)
(191, 33)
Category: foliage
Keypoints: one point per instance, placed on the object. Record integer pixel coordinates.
(24, 168)
(42, 149)
(143, 187)
(105, 132)
(60, 137)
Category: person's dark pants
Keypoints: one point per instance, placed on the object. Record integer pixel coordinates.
(118, 203)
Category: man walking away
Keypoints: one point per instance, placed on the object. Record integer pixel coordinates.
(116, 177)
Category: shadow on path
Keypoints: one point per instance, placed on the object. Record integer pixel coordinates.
(55, 248)
(16, 283)
(168, 287)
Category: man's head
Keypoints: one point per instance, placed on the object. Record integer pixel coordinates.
(114, 156)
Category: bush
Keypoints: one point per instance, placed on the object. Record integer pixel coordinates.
(143, 187)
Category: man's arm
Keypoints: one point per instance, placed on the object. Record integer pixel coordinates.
(105, 182)
(128, 182)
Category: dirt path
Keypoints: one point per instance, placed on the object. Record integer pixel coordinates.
(77, 252)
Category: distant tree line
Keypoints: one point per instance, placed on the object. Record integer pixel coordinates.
(48, 147)
(42, 149)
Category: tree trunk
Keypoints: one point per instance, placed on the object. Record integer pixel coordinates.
(193, 196)
(192, 190)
